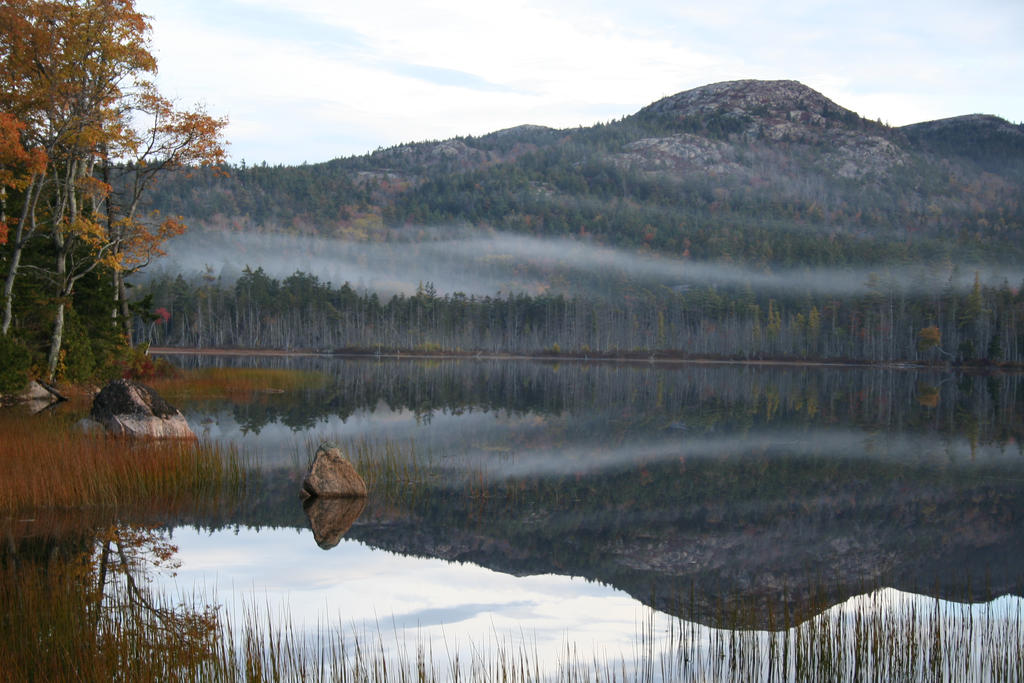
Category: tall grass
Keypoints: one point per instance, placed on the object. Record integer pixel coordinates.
(398, 473)
(52, 630)
(47, 461)
(886, 636)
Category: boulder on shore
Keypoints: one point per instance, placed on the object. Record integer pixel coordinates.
(35, 392)
(127, 408)
(331, 475)
(37, 397)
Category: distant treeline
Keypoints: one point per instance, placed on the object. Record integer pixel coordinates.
(984, 324)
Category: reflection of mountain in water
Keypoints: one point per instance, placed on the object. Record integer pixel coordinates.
(686, 536)
(700, 489)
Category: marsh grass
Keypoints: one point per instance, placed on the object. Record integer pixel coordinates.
(53, 630)
(46, 461)
(399, 472)
(62, 493)
(237, 384)
(885, 635)
(53, 627)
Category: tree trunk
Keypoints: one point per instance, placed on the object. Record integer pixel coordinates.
(12, 271)
(27, 214)
(56, 339)
(122, 307)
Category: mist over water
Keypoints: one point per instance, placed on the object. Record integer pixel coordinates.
(460, 261)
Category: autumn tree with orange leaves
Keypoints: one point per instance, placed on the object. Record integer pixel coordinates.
(83, 134)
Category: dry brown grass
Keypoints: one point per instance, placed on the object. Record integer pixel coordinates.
(234, 383)
(47, 461)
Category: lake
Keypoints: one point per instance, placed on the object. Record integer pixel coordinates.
(568, 498)
(584, 512)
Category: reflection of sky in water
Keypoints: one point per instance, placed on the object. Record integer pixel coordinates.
(368, 590)
(397, 603)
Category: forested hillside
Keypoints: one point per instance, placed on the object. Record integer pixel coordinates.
(844, 238)
(746, 219)
(756, 171)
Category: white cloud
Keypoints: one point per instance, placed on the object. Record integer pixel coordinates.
(317, 79)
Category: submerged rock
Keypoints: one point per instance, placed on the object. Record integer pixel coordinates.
(127, 408)
(330, 518)
(331, 475)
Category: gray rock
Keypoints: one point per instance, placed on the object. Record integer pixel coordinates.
(332, 476)
(127, 408)
(35, 392)
(36, 398)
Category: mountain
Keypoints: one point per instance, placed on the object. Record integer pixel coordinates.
(761, 172)
(988, 141)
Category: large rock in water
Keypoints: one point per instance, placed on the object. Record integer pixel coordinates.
(127, 408)
(332, 476)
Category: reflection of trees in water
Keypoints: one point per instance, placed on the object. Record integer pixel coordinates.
(77, 605)
(739, 533)
(703, 537)
(121, 564)
(684, 397)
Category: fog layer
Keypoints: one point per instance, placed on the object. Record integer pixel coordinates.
(502, 263)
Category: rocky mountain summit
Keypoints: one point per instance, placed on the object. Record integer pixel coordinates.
(763, 113)
(714, 117)
(671, 177)
(775, 109)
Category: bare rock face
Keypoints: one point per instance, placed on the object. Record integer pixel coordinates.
(332, 476)
(330, 518)
(774, 102)
(127, 408)
(680, 154)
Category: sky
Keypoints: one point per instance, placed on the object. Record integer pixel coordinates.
(312, 80)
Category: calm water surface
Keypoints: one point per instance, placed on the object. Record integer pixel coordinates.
(585, 503)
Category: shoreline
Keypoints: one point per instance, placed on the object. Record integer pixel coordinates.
(584, 358)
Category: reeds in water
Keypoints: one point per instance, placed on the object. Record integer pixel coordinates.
(55, 626)
(886, 636)
(48, 461)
